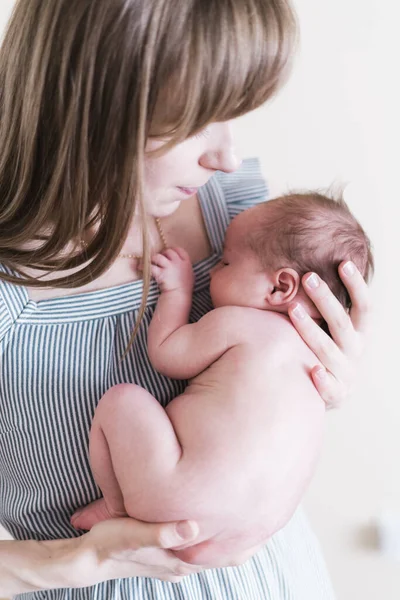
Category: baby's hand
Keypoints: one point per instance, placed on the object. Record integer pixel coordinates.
(173, 270)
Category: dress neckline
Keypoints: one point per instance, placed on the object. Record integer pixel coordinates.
(127, 296)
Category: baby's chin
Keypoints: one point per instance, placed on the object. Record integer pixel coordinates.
(220, 303)
(216, 304)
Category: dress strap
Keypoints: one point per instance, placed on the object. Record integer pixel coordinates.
(13, 300)
(215, 212)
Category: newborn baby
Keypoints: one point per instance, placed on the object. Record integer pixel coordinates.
(237, 449)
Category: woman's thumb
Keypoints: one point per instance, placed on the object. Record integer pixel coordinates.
(172, 535)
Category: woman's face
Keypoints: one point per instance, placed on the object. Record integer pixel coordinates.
(176, 176)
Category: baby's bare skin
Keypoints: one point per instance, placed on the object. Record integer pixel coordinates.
(236, 450)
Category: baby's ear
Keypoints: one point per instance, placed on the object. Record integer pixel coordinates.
(286, 283)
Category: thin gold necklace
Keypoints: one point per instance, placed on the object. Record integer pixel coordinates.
(161, 233)
(162, 238)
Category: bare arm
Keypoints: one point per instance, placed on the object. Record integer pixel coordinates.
(176, 348)
(31, 566)
(111, 550)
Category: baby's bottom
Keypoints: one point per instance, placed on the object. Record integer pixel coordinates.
(139, 465)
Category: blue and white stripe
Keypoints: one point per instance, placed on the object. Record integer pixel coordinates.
(57, 358)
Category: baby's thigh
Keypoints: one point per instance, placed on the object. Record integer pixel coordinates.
(129, 424)
(117, 411)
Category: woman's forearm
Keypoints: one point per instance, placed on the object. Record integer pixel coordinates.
(113, 549)
(31, 566)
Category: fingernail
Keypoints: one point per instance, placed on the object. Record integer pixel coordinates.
(186, 530)
(299, 311)
(349, 268)
(321, 374)
(313, 281)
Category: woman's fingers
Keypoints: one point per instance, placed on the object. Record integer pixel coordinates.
(338, 353)
(360, 312)
(333, 379)
(325, 349)
(174, 534)
(338, 320)
(164, 535)
(126, 547)
(332, 391)
(138, 534)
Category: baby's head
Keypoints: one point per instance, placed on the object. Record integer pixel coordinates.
(269, 247)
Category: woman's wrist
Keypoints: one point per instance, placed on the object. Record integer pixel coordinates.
(31, 566)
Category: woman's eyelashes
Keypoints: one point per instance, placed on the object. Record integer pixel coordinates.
(204, 133)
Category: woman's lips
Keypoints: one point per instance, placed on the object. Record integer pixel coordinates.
(188, 191)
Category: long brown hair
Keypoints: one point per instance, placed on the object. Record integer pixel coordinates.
(84, 83)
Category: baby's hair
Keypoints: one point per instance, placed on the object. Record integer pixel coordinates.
(312, 232)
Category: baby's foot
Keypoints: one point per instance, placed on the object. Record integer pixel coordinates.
(94, 513)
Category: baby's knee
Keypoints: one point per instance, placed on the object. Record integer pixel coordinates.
(120, 396)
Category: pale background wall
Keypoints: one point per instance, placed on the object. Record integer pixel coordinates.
(337, 121)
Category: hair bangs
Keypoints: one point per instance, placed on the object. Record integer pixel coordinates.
(227, 66)
(84, 86)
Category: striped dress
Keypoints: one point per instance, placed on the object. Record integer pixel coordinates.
(57, 358)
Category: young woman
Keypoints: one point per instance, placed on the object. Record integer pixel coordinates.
(114, 119)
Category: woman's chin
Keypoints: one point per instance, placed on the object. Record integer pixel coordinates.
(165, 210)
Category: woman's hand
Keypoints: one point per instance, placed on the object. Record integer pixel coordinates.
(113, 549)
(338, 354)
(121, 548)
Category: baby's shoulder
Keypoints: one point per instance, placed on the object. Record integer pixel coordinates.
(251, 325)
(252, 322)
(283, 344)
(267, 332)
(239, 322)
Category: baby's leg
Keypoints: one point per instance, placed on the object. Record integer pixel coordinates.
(133, 450)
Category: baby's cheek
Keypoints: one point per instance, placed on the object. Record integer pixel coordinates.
(215, 290)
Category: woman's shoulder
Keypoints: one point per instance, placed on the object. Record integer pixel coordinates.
(13, 299)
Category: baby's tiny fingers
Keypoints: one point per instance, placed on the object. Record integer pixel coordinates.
(156, 272)
(171, 253)
(160, 260)
(181, 252)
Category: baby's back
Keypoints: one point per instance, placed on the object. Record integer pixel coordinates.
(251, 424)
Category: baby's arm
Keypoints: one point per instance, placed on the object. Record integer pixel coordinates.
(177, 349)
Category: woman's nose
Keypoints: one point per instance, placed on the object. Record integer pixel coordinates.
(221, 155)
